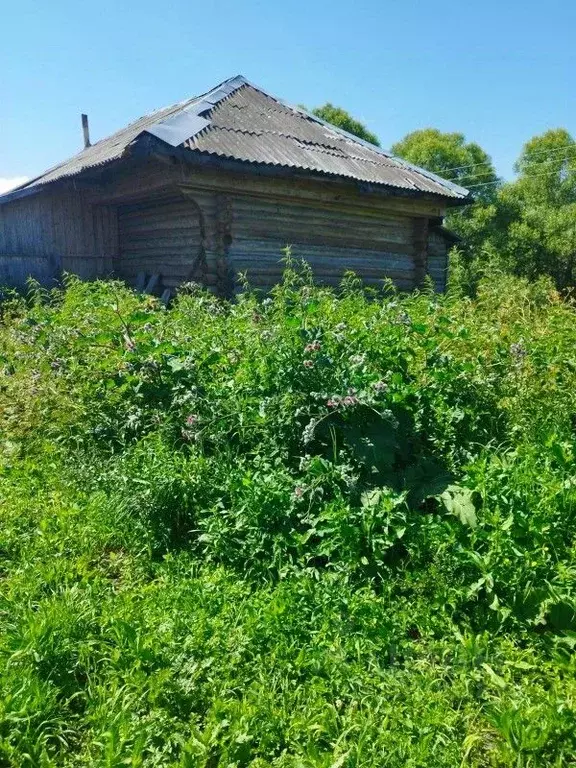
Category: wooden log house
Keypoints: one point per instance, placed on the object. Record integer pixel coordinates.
(219, 185)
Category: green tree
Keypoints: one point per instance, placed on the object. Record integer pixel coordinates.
(535, 228)
(449, 155)
(344, 120)
(465, 163)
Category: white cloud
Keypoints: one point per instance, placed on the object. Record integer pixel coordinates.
(7, 184)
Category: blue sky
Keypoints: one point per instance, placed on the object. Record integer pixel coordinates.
(498, 71)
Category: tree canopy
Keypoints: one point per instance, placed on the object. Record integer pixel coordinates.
(342, 119)
(450, 156)
(535, 226)
(526, 226)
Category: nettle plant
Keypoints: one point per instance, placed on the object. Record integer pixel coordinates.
(300, 372)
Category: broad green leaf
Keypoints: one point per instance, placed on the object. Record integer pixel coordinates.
(458, 501)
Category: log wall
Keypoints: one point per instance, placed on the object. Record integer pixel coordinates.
(331, 239)
(222, 224)
(164, 237)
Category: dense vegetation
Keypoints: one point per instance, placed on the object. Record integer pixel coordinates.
(308, 531)
(525, 227)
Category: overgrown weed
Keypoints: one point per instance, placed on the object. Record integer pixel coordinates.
(305, 529)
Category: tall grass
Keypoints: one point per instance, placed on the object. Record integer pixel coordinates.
(312, 530)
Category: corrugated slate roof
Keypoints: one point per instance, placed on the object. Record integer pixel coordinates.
(239, 121)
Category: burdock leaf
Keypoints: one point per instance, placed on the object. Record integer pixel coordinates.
(458, 502)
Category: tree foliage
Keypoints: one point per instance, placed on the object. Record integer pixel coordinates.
(527, 226)
(535, 225)
(342, 119)
(450, 156)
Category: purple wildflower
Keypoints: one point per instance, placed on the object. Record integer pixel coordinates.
(518, 351)
(343, 402)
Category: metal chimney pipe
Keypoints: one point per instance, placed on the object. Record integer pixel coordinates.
(86, 131)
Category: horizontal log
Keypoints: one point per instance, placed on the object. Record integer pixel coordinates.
(153, 267)
(259, 225)
(160, 243)
(281, 224)
(256, 254)
(244, 206)
(319, 192)
(160, 223)
(163, 220)
(277, 250)
(153, 204)
(151, 248)
(328, 239)
(317, 253)
(438, 262)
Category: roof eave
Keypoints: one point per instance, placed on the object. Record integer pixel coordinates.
(150, 145)
(19, 193)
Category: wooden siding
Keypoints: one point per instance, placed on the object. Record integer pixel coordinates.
(25, 229)
(26, 243)
(45, 234)
(84, 234)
